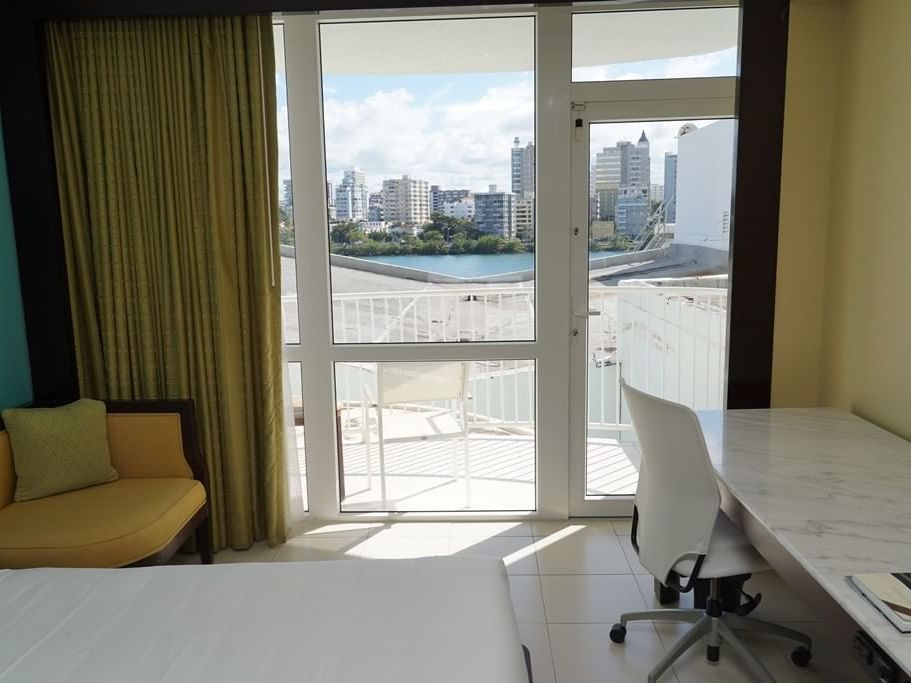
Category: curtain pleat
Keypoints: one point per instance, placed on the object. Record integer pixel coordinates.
(166, 143)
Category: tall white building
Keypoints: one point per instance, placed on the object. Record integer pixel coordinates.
(495, 213)
(639, 170)
(523, 169)
(406, 201)
(705, 161)
(351, 196)
(608, 165)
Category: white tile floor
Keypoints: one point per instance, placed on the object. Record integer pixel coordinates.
(569, 582)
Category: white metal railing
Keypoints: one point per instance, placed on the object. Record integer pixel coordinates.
(665, 336)
(483, 313)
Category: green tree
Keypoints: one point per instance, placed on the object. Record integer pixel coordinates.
(431, 235)
(459, 246)
(433, 247)
(513, 246)
(489, 244)
(346, 233)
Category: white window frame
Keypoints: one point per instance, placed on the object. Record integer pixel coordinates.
(615, 102)
(560, 282)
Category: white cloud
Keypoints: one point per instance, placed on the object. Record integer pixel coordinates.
(696, 65)
(718, 63)
(454, 144)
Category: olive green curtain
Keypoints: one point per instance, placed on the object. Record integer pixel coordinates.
(167, 162)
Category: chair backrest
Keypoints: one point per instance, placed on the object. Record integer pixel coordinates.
(411, 382)
(677, 499)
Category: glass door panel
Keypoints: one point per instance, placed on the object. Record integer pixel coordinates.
(430, 175)
(437, 436)
(658, 235)
(430, 160)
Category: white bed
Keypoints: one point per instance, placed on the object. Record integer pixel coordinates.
(433, 620)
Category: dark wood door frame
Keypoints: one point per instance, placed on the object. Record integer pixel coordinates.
(36, 210)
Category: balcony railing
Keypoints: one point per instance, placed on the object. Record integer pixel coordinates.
(665, 336)
(483, 313)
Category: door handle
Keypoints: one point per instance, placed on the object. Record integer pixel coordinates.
(590, 314)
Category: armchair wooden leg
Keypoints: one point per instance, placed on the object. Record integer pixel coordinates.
(204, 542)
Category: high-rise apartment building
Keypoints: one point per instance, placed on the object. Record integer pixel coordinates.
(438, 197)
(375, 207)
(351, 196)
(330, 201)
(623, 172)
(495, 213)
(632, 210)
(525, 218)
(670, 187)
(609, 166)
(286, 198)
(406, 201)
(523, 169)
(461, 208)
(639, 171)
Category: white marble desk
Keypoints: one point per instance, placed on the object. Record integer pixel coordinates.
(822, 494)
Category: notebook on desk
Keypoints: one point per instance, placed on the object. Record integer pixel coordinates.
(891, 593)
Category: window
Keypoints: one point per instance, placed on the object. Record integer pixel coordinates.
(438, 186)
(430, 161)
(652, 44)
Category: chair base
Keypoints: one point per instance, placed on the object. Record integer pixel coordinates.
(716, 627)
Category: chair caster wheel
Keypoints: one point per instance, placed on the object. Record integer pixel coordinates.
(618, 633)
(801, 656)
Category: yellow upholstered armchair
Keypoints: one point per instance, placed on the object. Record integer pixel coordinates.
(142, 518)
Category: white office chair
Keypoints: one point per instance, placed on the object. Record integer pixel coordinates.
(415, 382)
(680, 531)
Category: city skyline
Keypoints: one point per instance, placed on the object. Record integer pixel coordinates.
(449, 128)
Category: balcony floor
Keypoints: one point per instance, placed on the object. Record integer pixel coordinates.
(420, 475)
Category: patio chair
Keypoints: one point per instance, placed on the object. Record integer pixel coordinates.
(405, 384)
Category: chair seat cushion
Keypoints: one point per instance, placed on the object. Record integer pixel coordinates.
(109, 525)
(730, 554)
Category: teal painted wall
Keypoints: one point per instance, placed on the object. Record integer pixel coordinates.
(15, 376)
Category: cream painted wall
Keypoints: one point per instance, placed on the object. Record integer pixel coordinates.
(810, 103)
(866, 360)
(863, 361)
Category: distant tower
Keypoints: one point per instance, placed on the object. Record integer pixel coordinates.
(670, 187)
(351, 196)
(523, 169)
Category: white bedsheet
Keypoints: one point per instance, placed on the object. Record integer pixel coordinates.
(433, 620)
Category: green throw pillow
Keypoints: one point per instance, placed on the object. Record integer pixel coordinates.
(59, 449)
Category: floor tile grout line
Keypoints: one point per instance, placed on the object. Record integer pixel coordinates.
(550, 650)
